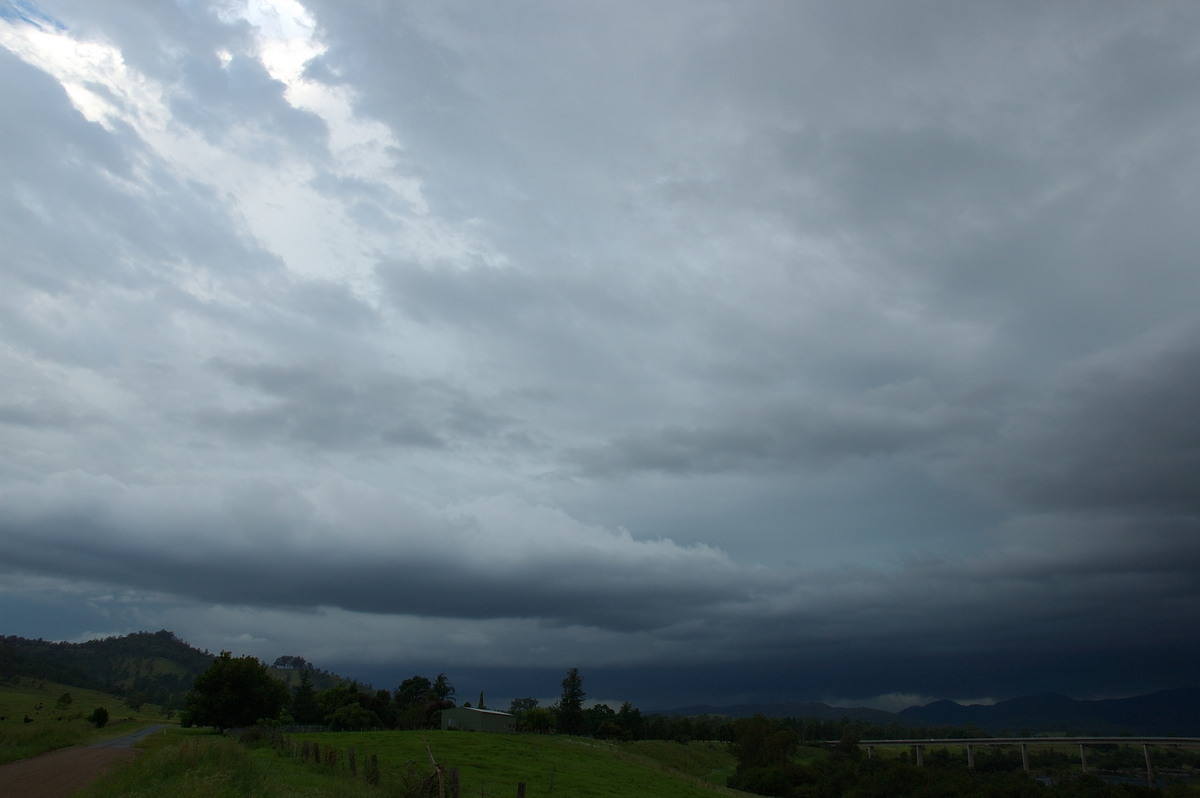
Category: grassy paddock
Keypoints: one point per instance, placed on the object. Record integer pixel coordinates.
(58, 727)
(189, 764)
(493, 764)
(194, 764)
(709, 762)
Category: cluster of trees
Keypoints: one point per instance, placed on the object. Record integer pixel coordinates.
(240, 691)
(417, 702)
(569, 716)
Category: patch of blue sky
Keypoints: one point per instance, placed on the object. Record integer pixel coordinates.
(26, 11)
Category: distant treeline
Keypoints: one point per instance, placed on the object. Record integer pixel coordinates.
(772, 761)
(417, 702)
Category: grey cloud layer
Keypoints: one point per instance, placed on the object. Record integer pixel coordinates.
(339, 545)
(775, 333)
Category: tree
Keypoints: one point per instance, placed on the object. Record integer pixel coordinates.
(99, 717)
(571, 719)
(304, 709)
(519, 706)
(629, 718)
(602, 722)
(442, 689)
(410, 700)
(63, 701)
(381, 705)
(539, 719)
(764, 748)
(353, 717)
(134, 700)
(418, 701)
(234, 692)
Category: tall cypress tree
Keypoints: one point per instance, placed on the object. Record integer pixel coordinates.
(571, 719)
(304, 707)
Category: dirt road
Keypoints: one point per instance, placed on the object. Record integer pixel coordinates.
(64, 772)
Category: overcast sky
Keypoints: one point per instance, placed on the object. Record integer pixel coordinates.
(728, 351)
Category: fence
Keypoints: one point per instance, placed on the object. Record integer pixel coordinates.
(441, 781)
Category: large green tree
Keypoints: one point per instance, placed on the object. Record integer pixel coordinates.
(233, 693)
(418, 701)
(571, 719)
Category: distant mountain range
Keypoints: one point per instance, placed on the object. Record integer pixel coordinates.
(805, 709)
(1171, 713)
(144, 667)
(1168, 713)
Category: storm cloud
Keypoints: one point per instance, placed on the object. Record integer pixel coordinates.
(728, 352)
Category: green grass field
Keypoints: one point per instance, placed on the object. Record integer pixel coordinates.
(199, 764)
(493, 764)
(53, 726)
(194, 763)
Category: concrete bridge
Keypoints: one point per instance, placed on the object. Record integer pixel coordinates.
(972, 743)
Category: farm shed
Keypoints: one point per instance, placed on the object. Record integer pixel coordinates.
(473, 719)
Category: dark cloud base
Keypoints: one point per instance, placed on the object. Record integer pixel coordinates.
(792, 353)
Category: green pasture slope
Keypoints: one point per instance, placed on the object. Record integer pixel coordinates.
(54, 727)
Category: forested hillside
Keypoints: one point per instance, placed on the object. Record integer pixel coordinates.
(153, 667)
(143, 667)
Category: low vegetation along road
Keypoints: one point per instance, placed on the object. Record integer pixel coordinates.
(61, 773)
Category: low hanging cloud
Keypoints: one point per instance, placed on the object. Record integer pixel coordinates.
(361, 549)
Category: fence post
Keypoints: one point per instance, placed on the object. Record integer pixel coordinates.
(372, 774)
(454, 783)
(520, 789)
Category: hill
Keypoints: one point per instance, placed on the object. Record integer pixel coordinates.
(289, 668)
(1164, 713)
(155, 667)
(152, 667)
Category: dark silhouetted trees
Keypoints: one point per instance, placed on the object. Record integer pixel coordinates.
(569, 709)
(304, 708)
(232, 693)
(418, 701)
